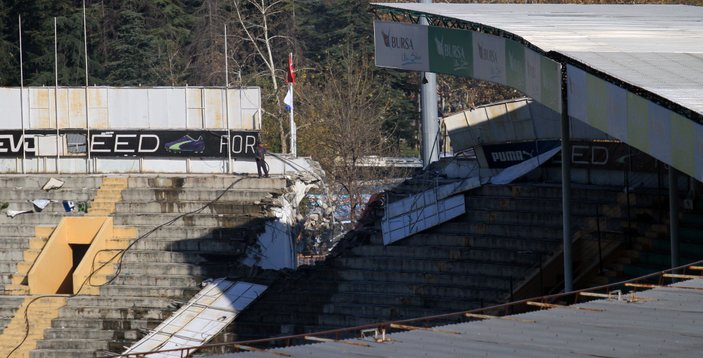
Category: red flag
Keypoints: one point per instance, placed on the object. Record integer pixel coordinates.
(291, 72)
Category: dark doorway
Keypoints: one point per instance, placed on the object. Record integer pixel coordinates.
(78, 252)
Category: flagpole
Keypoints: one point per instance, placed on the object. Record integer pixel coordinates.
(87, 122)
(56, 99)
(24, 154)
(293, 129)
(229, 131)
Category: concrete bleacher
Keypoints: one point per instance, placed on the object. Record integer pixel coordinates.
(471, 261)
(159, 272)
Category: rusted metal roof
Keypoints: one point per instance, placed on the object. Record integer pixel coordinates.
(664, 321)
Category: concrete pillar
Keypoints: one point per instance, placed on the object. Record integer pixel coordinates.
(428, 105)
(674, 217)
(566, 183)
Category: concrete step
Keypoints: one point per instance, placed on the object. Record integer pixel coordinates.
(691, 220)
(452, 254)
(204, 269)
(234, 196)
(513, 231)
(9, 266)
(207, 181)
(589, 193)
(84, 333)
(210, 246)
(526, 204)
(45, 218)
(392, 264)
(34, 181)
(64, 353)
(498, 217)
(644, 199)
(24, 195)
(142, 291)
(221, 220)
(424, 291)
(352, 278)
(380, 313)
(179, 233)
(12, 255)
(73, 344)
(14, 242)
(220, 207)
(88, 312)
(152, 256)
(449, 303)
(430, 238)
(180, 281)
(117, 302)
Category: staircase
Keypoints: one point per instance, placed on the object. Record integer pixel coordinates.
(39, 311)
(107, 196)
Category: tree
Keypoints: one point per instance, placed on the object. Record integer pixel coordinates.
(262, 24)
(344, 112)
(206, 45)
(133, 47)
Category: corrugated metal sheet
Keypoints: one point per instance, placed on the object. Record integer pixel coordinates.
(663, 322)
(421, 211)
(655, 47)
(203, 317)
(132, 108)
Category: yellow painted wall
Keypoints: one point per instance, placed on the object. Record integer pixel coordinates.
(87, 265)
(56, 259)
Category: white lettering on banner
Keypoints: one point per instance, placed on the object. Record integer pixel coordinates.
(401, 46)
(223, 143)
(455, 52)
(510, 156)
(242, 144)
(7, 141)
(94, 142)
(580, 155)
(487, 54)
(391, 41)
(489, 57)
(141, 148)
(604, 150)
(118, 143)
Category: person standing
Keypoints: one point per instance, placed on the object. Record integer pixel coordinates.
(260, 160)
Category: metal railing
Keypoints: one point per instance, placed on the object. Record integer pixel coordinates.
(382, 329)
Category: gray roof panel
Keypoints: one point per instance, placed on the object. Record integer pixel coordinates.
(662, 322)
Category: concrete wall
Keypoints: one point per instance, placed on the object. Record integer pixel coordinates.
(111, 108)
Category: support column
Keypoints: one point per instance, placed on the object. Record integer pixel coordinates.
(566, 182)
(674, 217)
(428, 105)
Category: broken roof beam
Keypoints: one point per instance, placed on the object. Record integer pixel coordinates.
(552, 305)
(415, 328)
(485, 316)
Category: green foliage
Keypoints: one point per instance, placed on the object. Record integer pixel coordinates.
(178, 42)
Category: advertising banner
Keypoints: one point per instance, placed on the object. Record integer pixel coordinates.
(584, 154)
(402, 46)
(489, 57)
(509, 154)
(451, 51)
(136, 143)
(13, 144)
